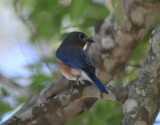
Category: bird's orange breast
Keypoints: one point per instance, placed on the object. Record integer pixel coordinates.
(69, 72)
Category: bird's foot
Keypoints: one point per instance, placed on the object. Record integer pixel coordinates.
(101, 95)
(81, 84)
(77, 80)
(70, 87)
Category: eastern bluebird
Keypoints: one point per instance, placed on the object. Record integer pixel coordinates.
(74, 63)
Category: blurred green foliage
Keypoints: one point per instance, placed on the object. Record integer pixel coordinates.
(41, 78)
(102, 113)
(135, 61)
(52, 17)
(6, 107)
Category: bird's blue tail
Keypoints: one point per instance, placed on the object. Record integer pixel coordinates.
(98, 83)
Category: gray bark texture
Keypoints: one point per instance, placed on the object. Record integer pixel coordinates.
(115, 39)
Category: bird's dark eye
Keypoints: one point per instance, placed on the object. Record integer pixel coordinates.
(81, 36)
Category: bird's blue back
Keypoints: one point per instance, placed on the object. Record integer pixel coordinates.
(76, 58)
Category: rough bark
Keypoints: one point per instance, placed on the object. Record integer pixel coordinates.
(114, 43)
(143, 102)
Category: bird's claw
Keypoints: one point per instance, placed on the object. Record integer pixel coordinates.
(69, 88)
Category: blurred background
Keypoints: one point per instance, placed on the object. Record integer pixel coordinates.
(30, 32)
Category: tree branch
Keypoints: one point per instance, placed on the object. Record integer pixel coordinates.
(143, 102)
(63, 102)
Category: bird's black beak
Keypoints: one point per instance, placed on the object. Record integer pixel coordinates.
(90, 41)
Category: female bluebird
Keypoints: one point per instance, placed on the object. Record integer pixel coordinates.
(74, 63)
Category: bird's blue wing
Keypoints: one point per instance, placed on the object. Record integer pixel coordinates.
(76, 58)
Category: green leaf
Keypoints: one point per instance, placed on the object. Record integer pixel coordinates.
(77, 9)
(140, 52)
(4, 92)
(39, 82)
(4, 107)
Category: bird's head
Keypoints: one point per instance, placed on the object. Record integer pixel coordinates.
(77, 39)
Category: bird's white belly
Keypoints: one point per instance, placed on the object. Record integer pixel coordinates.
(84, 76)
